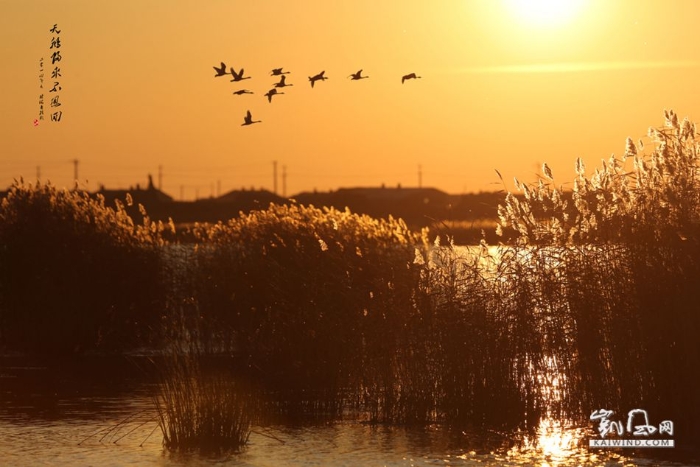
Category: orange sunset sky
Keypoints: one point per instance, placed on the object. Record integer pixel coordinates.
(505, 85)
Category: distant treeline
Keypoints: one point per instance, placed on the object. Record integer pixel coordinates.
(462, 217)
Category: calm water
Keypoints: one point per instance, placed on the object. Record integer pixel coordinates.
(94, 415)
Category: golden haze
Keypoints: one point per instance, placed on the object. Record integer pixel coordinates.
(497, 91)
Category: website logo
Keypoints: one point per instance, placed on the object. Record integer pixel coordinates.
(638, 432)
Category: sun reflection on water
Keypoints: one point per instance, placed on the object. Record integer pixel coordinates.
(554, 444)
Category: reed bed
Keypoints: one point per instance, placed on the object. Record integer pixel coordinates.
(302, 291)
(76, 275)
(588, 303)
(629, 240)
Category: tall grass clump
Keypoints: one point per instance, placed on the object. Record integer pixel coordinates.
(327, 310)
(201, 404)
(627, 242)
(456, 331)
(75, 275)
(310, 298)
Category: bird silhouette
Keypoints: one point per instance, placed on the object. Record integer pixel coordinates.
(282, 82)
(358, 75)
(248, 119)
(278, 72)
(409, 76)
(238, 76)
(242, 91)
(318, 77)
(270, 93)
(220, 71)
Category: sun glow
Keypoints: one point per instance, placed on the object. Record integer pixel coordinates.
(543, 13)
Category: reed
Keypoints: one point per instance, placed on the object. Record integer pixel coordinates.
(628, 243)
(299, 291)
(75, 275)
(201, 407)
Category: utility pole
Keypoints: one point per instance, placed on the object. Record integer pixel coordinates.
(75, 170)
(420, 176)
(160, 177)
(218, 188)
(284, 181)
(38, 173)
(274, 177)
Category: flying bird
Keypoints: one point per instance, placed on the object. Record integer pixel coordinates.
(238, 76)
(220, 71)
(358, 75)
(248, 119)
(318, 77)
(282, 82)
(242, 91)
(278, 72)
(270, 93)
(409, 76)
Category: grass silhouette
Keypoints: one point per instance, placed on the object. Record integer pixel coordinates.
(590, 304)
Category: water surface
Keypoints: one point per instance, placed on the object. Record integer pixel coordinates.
(83, 415)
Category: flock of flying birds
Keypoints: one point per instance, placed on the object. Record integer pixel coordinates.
(239, 76)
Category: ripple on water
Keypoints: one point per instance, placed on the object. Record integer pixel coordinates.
(101, 429)
(111, 441)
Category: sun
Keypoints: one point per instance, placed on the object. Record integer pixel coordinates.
(544, 13)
